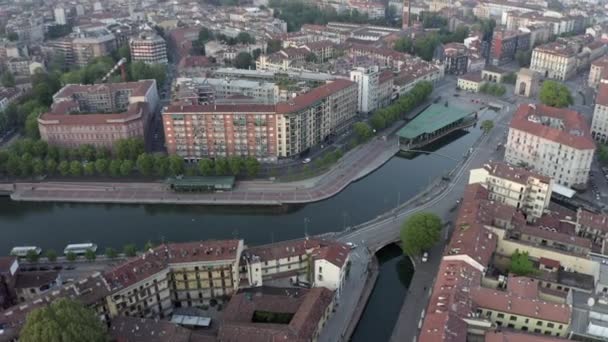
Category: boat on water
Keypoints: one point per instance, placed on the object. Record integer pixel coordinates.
(22, 251)
(80, 248)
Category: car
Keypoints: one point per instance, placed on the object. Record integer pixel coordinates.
(425, 257)
(351, 245)
(306, 161)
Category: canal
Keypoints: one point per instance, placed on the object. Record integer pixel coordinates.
(53, 225)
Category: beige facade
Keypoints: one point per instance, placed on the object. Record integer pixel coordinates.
(529, 324)
(527, 83)
(599, 124)
(469, 83)
(597, 71)
(514, 186)
(555, 61)
(149, 48)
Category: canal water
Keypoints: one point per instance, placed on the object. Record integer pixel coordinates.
(53, 225)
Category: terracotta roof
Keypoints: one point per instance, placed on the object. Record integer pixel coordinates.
(134, 112)
(575, 132)
(139, 88)
(592, 220)
(306, 100)
(518, 305)
(306, 305)
(513, 173)
(474, 76)
(385, 76)
(602, 93)
(284, 249)
(549, 262)
(336, 254)
(522, 286)
(134, 329)
(194, 62)
(161, 257)
(35, 278)
(516, 336)
(555, 236)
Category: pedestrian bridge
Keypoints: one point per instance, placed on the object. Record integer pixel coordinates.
(434, 123)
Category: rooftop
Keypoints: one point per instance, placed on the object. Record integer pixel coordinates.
(474, 76)
(515, 174)
(35, 279)
(435, 117)
(516, 336)
(134, 329)
(561, 125)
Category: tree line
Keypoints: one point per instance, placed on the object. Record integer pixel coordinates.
(492, 89)
(384, 117)
(28, 158)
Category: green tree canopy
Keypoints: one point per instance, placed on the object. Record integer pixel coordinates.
(487, 125)
(130, 250)
(111, 253)
(420, 232)
(7, 79)
(521, 264)
(363, 131)
(244, 61)
(602, 154)
(63, 320)
(252, 165)
(51, 255)
(555, 94)
(245, 38)
(403, 44)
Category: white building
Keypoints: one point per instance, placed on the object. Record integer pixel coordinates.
(367, 80)
(555, 142)
(260, 92)
(60, 17)
(599, 124)
(515, 186)
(554, 60)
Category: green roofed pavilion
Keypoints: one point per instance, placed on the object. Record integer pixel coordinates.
(433, 123)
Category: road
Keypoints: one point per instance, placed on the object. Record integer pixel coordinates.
(441, 199)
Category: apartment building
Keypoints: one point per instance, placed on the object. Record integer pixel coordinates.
(515, 186)
(226, 88)
(148, 47)
(505, 45)
(100, 114)
(367, 80)
(554, 142)
(84, 44)
(455, 58)
(471, 81)
(599, 124)
(172, 276)
(266, 132)
(554, 60)
(597, 72)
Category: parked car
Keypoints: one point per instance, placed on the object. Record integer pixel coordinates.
(425, 257)
(351, 245)
(306, 161)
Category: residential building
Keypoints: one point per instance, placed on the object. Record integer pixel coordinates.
(8, 277)
(493, 74)
(29, 29)
(266, 132)
(505, 45)
(515, 186)
(554, 60)
(385, 91)
(554, 142)
(174, 275)
(305, 313)
(470, 82)
(373, 10)
(148, 47)
(455, 58)
(597, 72)
(599, 124)
(8, 96)
(194, 66)
(60, 16)
(84, 44)
(367, 80)
(226, 88)
(31, 284)
(99, 114)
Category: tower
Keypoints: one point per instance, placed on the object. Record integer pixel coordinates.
(407, 9)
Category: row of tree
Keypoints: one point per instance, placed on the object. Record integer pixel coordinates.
(384, 117)
(493, 89)
(424, 47)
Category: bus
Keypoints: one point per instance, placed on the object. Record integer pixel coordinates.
(22, 251)
(80, 248)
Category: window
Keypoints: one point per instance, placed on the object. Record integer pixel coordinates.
(320, 269)
(510, 326)
(537, 331)
(539, 323)
(513, 318)
(550, 325)
(500, 315)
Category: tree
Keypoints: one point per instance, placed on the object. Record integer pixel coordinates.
(25, 165)
(521, 264)
(145, 164)
(377, 121)
(7, 79)
(221, 167)
(89, 169)
(76, 168)
(420, 232)
(403, 44)
(130, 250)
(245, 38)
(602, 154)
(205, 167)
(63, 320)
(114, 167)
(243, 61)
(161, 165)
(64, 168)
(126, 167)
(32, 256)
(487, 125)
(111, 253)
(555, 94)
(311, 58)
(274, 45)
(148, 245)
(363, 131)
(253, 166)
(101, 166)
(235, 165)
(38, 167)
(90, 255)
(51, 166)
(51, 255)
(12, 36)
(71, 256)
(176, 165)
(205, 35)
(509, 78)
(523, 58)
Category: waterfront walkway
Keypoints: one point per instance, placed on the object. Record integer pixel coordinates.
(355, 165)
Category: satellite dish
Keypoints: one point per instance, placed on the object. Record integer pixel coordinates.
(590, 301)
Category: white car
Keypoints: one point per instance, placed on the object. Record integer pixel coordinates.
(351, 245)
(306, 161)
(425, 257)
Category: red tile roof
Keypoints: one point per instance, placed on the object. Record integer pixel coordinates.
(515, 304)
(306, 100)
(549, 262)
(515, 336)
(513, 173)
(336, 254)
(134, 112)
(139, 88)
(602, 93)
(385, 76)
(591, 220)
(161, 257)
(572, 121)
